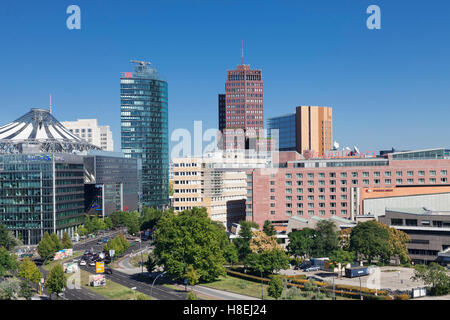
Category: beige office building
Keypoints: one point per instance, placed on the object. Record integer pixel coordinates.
(89, 130)
(215, 181)
(314, 129)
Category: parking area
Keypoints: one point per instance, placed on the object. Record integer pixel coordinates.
(390, 277)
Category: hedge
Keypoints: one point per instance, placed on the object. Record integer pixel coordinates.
(342, 290)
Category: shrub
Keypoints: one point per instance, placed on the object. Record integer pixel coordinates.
(402, 296)
(191, 296)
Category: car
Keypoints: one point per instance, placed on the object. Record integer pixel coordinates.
(312, 269)
(137, 240)
(82, 262)
(99, 242)
(92, 263)
(108, 271)
(106, 240)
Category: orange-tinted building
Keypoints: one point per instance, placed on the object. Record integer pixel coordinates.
(314, 129)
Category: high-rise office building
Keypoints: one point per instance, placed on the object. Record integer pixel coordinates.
(89, 130)
(310, 128)
(241, 114)
(144, 129)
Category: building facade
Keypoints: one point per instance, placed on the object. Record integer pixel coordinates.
(327, 187)
(429, 231)
(310, 128)
(144, 129)
(241, 113)
(90, 131)
(216, 182)
(43, 176)
(111, 183)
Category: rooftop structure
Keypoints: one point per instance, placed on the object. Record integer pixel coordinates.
(38, 131)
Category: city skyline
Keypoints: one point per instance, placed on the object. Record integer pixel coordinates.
(326, 55)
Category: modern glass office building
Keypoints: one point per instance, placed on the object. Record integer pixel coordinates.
(286, 126)
(41, 193)
(144, 129)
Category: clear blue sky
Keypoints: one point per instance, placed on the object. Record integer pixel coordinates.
(388, 87)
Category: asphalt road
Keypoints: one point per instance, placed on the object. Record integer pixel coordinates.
(142, 284)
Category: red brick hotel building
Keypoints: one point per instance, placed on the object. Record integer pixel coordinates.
(326, 187)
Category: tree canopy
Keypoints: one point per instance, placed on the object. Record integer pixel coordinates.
(7, 239)
(370, 241)
(302, 242)
(8, 262)
(190, 238)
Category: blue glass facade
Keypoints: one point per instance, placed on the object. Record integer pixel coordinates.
(144, 130)
(286, 126)
(41, 193)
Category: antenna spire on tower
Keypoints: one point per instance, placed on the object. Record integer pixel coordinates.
(50, 103)
(242, 55)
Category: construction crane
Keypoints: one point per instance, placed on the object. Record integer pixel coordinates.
(142, 63)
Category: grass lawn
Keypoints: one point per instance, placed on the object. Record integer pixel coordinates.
(239, 286)
(178, 288)
(136, 260)
(112, 290)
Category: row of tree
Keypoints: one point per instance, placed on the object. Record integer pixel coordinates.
(119, 244)
(50, 244)
(368, 241)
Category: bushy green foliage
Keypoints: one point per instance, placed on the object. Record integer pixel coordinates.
(276, 287)
(8, 262)
(190, 238)
(435, 276)
(55, 281)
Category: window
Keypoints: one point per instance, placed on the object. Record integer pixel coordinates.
(299, 190)
(272, 190)
(332, 182)
(426, 222)
(311, 198)
(444, 180)
(322, 212)
(272, 212)
(410, 173)
(411, 222)
(311, 190)
(321, 205)
(343, 189)
(399, 181)
(387, 181)
(354, 174)
(344, 212)
(343, 204)
(376, 181)
(432, 173)
(310, 182)
(410, 181)
(343, 174)
(299, 183)
(354, 181)
(333, 212)
(332, 174)
(311, 212)
(321, 175)
(288, 198)
(398, 173)
(376, 174)
(322, 190)
(421, 173)
(322, 198)
(289, 213)
(299, 198)
(299, 205)
(332, 197)
(299, 212)
(310, 205)
(443, 172)
(366, 181)
(432, 180)
(310, 175)
(343, 181)
(387, 173)
(288, 190)
(288, 183)
(288, 176)
(365, 174)
(272, 197)
(421, 180)
(288, 205)
(396, 222)
(332, 190)
(344, 197)
(299, 175)
(272, 183)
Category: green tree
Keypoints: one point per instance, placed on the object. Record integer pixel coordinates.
(66, 242)
(398, 241)
(370, 241)
(302, 242)
(7, 239)
(46, 247)
(108, 223)
(25, 290)
(151, 263)
(141, 296)
(275, 287)
(8, 262)
(191, 276)
(58, 245)
(149, 218)
(327, 239)
(268, 262)
(55, 281)
(230, 254)
(269, 229)
(191, 296)
(435, 276)
(189, 238)
(9, 288)
(82, 231)
(29, 271)
(343, 257)
(243, 242)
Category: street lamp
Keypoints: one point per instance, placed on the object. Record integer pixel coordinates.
(360, 288)
(151, 290)
(134, 289)
(262, 287)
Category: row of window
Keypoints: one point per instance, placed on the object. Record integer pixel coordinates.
(365, 181)
(365, 174)
(312, 212)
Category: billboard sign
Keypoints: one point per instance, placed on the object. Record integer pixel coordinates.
(100, 267)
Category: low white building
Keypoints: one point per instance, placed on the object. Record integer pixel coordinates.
(89, 130)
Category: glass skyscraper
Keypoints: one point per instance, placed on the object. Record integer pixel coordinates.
(144, 129)
(286, 126)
